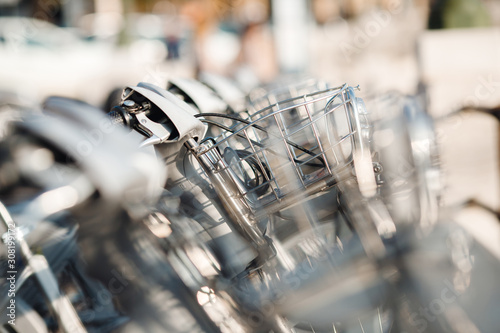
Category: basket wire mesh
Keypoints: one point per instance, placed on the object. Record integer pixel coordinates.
(261, 97)
(298, 145)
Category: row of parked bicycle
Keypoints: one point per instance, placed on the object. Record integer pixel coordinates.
(299, 207)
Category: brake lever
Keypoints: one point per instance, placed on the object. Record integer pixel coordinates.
(158, 133)
(142, 108)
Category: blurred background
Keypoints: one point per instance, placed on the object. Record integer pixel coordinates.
(447, 51)
(85, 48)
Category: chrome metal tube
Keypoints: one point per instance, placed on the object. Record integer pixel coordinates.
(226, 186)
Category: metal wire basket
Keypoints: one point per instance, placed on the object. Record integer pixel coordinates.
(296, 147)
(262, 97)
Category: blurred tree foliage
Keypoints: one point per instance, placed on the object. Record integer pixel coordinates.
(449, 14)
